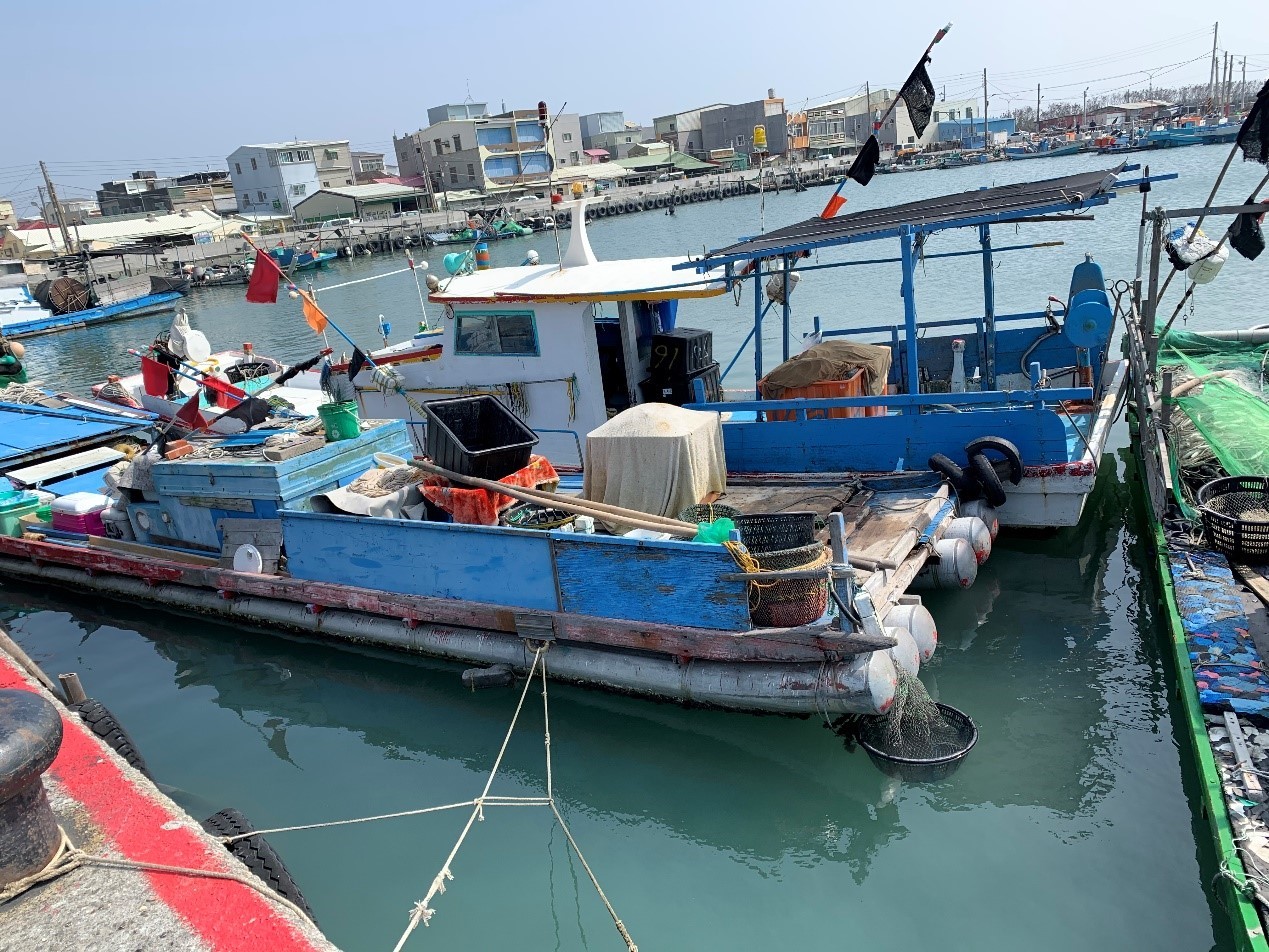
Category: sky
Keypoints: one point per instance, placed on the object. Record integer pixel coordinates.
(107, 88)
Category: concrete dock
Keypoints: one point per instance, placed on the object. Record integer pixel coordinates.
(115, 815)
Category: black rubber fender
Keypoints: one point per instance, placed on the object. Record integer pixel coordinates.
(98, 717)
(981, 470)
(257, 855)
(1000, 445)
(965, 486)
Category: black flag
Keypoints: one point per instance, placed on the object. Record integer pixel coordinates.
(251, 411)
(1253, 137)
(918, 95)
(358, 361)
(865, 165)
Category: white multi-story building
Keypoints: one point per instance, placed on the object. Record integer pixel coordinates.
(273, 177)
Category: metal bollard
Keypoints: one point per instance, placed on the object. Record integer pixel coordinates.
(30, 736)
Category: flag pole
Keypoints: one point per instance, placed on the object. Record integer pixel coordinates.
(835, 201)
(382, 377)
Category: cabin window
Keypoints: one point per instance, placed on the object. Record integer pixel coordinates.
(513, 333)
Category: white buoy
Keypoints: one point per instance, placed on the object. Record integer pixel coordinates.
(956, 566)
(974, 531)
(916, 620)
(984, 511)
(905, 654)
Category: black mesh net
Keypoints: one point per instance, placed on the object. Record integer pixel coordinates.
(916, 727)
(1253, 137)
(918, 95)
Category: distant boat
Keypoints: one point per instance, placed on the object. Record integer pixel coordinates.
(289, 259)
(1015, 154)
(63, 304)
(1191, 130)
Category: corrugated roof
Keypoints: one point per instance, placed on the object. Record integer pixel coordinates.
(680, 161)
(104, 233)
(928, 215)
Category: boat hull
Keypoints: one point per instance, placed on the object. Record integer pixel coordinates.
(856, 684)
(138, 307)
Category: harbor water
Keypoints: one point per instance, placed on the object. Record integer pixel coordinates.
(1069, 826)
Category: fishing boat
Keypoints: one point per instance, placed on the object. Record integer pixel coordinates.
(567, 344)
(1201, 424)
(1044, 151)
(1191, 130)
(204, 529)
(293, 260)
(65, 304)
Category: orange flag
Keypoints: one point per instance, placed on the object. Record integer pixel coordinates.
(314, 315)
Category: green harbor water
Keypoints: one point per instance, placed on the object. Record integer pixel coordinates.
(1068, 827)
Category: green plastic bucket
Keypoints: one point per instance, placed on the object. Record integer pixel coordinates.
(340, 420)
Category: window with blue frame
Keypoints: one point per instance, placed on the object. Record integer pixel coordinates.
(509, 333)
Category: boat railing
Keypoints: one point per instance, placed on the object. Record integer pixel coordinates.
(1036, 398)
(895, 330)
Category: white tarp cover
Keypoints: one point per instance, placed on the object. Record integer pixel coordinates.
(655, 458)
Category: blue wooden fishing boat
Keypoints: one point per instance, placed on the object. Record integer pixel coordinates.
(302, 261)
(1191, 130)
(22, 316)
(1046, 151)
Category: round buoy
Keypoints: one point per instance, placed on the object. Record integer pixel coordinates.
(905, 654)
(985, 511)
(916, 620)
(956, 566)
(974, 531)
(247, 558)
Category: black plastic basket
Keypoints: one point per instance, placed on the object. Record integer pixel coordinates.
(1225, 504)
(922, 769)
(776, 531)
(477, 436)
(708, 512)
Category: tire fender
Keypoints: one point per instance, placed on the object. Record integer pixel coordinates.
(966, 487)
(102, 723)
(981, 470)
(257, 855)
(1007, 451)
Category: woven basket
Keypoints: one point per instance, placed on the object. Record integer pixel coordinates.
(776, 531)
(788, 603)
(708, 512)
(1235, 514)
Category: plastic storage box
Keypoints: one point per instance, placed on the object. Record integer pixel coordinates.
(477, 436)
(80, 512)
(13, 506)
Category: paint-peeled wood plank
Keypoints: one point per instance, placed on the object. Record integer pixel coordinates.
(149, 551)
(809, 644)
(42, 472)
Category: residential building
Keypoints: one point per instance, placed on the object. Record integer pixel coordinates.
(452, 111)
(8, 214)
(274, 176)
(613, 145)
(798, 139)
(76, 210)
(144, 192)
(367, 167)
(725, 126)
(598, 123)
(490, 153)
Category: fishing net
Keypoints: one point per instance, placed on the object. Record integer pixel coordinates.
(1224, 424)
(916, 728)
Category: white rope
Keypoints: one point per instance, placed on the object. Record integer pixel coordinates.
(373, 277)
(422, 912)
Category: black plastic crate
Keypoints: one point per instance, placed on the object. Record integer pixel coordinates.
(477, 436)
(682, 351)
(680, 390)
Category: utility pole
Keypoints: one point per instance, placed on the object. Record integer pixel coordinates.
(1229, 82)
(868, 107)
(1037, 108)
(57, 207)
(984, 107)
(51, 243)
(1242, 89)
(1084, 127)
(1211, 91)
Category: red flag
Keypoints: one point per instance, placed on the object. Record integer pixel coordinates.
(189, 416)
(834, 204)
(263, 287)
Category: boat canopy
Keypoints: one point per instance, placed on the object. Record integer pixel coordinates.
(637, 279)
(1002, 203)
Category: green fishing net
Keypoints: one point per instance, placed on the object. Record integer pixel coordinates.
(718, 531)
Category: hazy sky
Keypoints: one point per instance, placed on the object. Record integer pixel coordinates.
(106, 88)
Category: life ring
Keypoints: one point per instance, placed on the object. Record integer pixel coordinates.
(1011, 463)
(984, 474)
(103, 724)
(966, 487)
